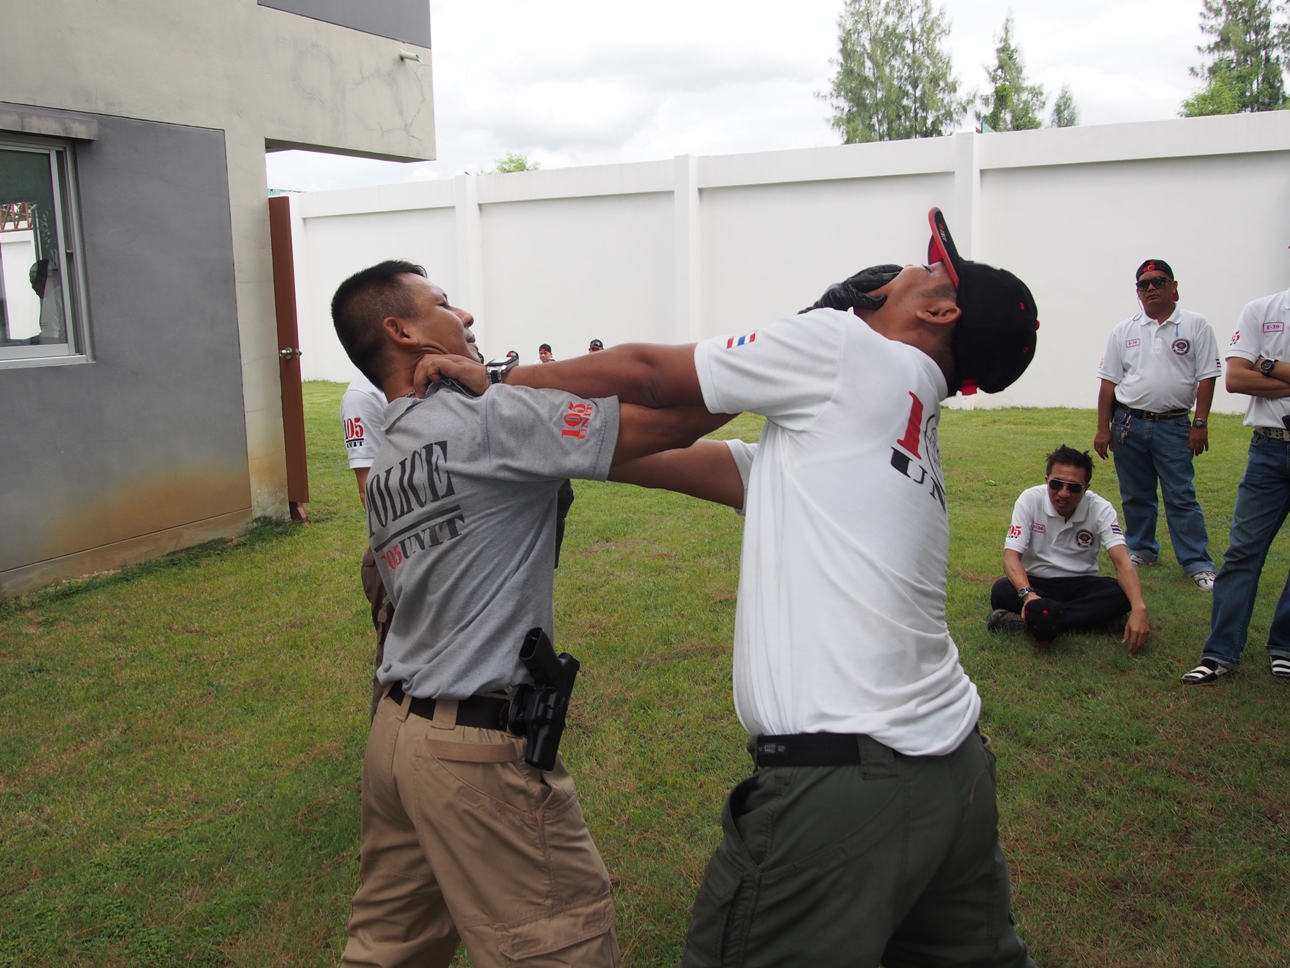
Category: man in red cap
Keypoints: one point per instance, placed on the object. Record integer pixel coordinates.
(1158, 365)
(868, 831)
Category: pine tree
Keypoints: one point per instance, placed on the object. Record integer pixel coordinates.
(1249, 52)
(1011, 104)
(895, 78)
(1065, 111)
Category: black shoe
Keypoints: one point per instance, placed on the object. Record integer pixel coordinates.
(1002, 619)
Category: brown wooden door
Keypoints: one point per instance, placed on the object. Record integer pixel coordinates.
(293, 402)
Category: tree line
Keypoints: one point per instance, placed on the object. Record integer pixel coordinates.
(895, 78)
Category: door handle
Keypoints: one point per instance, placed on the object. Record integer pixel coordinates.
(288, 353)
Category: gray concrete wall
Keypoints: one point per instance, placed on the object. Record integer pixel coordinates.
(147, 443)
(398, 19)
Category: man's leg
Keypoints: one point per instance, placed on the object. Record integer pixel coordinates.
(1004, 596)
(398, 917)
(1262, 502)
(1186, 520)
(1136, 471)
(818, 865)
(1090, 601)
(508, 845)
(963, 915)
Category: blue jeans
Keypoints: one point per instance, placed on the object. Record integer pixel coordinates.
(1262, 502)
(1151, 450)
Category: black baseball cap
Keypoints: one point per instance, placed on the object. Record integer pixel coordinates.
(596, 344)
(1154, 265)
(994, 340)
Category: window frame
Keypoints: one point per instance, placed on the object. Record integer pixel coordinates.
(78, 347)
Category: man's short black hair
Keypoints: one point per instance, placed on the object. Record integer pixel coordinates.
(361, 302)
(1073, 457)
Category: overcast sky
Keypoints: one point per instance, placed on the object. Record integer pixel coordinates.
(580, 82)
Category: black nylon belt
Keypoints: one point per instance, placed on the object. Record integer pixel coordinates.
(1148, 415)
(485, 712)
(811, 749)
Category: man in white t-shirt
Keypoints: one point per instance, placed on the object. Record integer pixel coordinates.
(869, 831)
(1158, 364)
(1050, 559)
(1257, 365)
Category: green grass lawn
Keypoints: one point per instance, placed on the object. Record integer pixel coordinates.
(180, 744)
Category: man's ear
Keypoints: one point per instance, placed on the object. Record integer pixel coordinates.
(939, 312)
(397, 332)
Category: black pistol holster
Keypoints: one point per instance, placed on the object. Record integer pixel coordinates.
(538, 711)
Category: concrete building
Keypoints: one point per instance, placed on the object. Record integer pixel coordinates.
(140, 376)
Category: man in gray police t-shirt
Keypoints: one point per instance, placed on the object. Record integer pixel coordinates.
(462, 501)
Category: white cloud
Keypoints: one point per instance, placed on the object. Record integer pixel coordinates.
(588, 82)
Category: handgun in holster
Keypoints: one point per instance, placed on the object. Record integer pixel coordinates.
(538, 711)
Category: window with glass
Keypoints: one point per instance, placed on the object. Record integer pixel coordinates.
(41, 309)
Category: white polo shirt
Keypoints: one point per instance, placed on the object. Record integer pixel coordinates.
(1157, 366)
(1261, 331)
(1053, 548)
(362, 420)
(840, 624)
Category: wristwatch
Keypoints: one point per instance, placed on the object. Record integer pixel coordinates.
(498, 369)
(1023, 592)
(1200, 422)
(1267, 366)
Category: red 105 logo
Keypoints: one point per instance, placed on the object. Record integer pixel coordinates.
(393, 557)
(1014, 531)
(353, 428)
(576, 419)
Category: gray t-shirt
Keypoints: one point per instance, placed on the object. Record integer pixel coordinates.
(461, 514)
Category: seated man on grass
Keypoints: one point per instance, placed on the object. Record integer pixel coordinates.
(1050, 560)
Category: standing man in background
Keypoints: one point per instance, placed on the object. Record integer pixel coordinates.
(1256, 365)
(544, 354)
(1158, 364)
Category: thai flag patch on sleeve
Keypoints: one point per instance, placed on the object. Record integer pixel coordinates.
(734, 341)
(1115, 529)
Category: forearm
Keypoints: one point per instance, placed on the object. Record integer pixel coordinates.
(1015, 570)
(643, 431)
(1242, 377)
(1204, 398)
(1105, 404)
(360, 475)
(704, 470)
(1130, 583)
(648, 374)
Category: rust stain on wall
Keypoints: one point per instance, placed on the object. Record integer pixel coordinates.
(141, 506)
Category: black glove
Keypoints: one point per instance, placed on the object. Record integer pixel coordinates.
(853, 293)
(1045, 617)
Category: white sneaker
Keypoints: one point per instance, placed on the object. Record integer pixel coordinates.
(1204, 580)
(1138, 560)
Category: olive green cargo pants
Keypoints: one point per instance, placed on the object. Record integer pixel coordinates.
(895, 861)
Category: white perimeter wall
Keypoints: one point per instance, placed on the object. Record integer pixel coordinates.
(676, 251)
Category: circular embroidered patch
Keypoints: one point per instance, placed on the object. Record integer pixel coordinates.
(1182, 347)
(1084, 537)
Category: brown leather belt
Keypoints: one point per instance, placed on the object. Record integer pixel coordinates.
(485, 712)
(1148, 415)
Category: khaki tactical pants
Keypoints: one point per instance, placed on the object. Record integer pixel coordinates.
(463, 840)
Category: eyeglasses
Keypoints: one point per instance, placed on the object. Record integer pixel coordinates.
(1055, 484)
(1156, 282)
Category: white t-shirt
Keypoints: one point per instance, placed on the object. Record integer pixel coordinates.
(840, 625)
(1157, 366)
(1261, 331)
(362, 420)
(1053, 548)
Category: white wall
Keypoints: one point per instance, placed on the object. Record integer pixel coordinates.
(673, 251)
(22, 305)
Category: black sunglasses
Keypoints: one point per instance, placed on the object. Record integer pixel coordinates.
(1158, 282)
(1055, 484)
